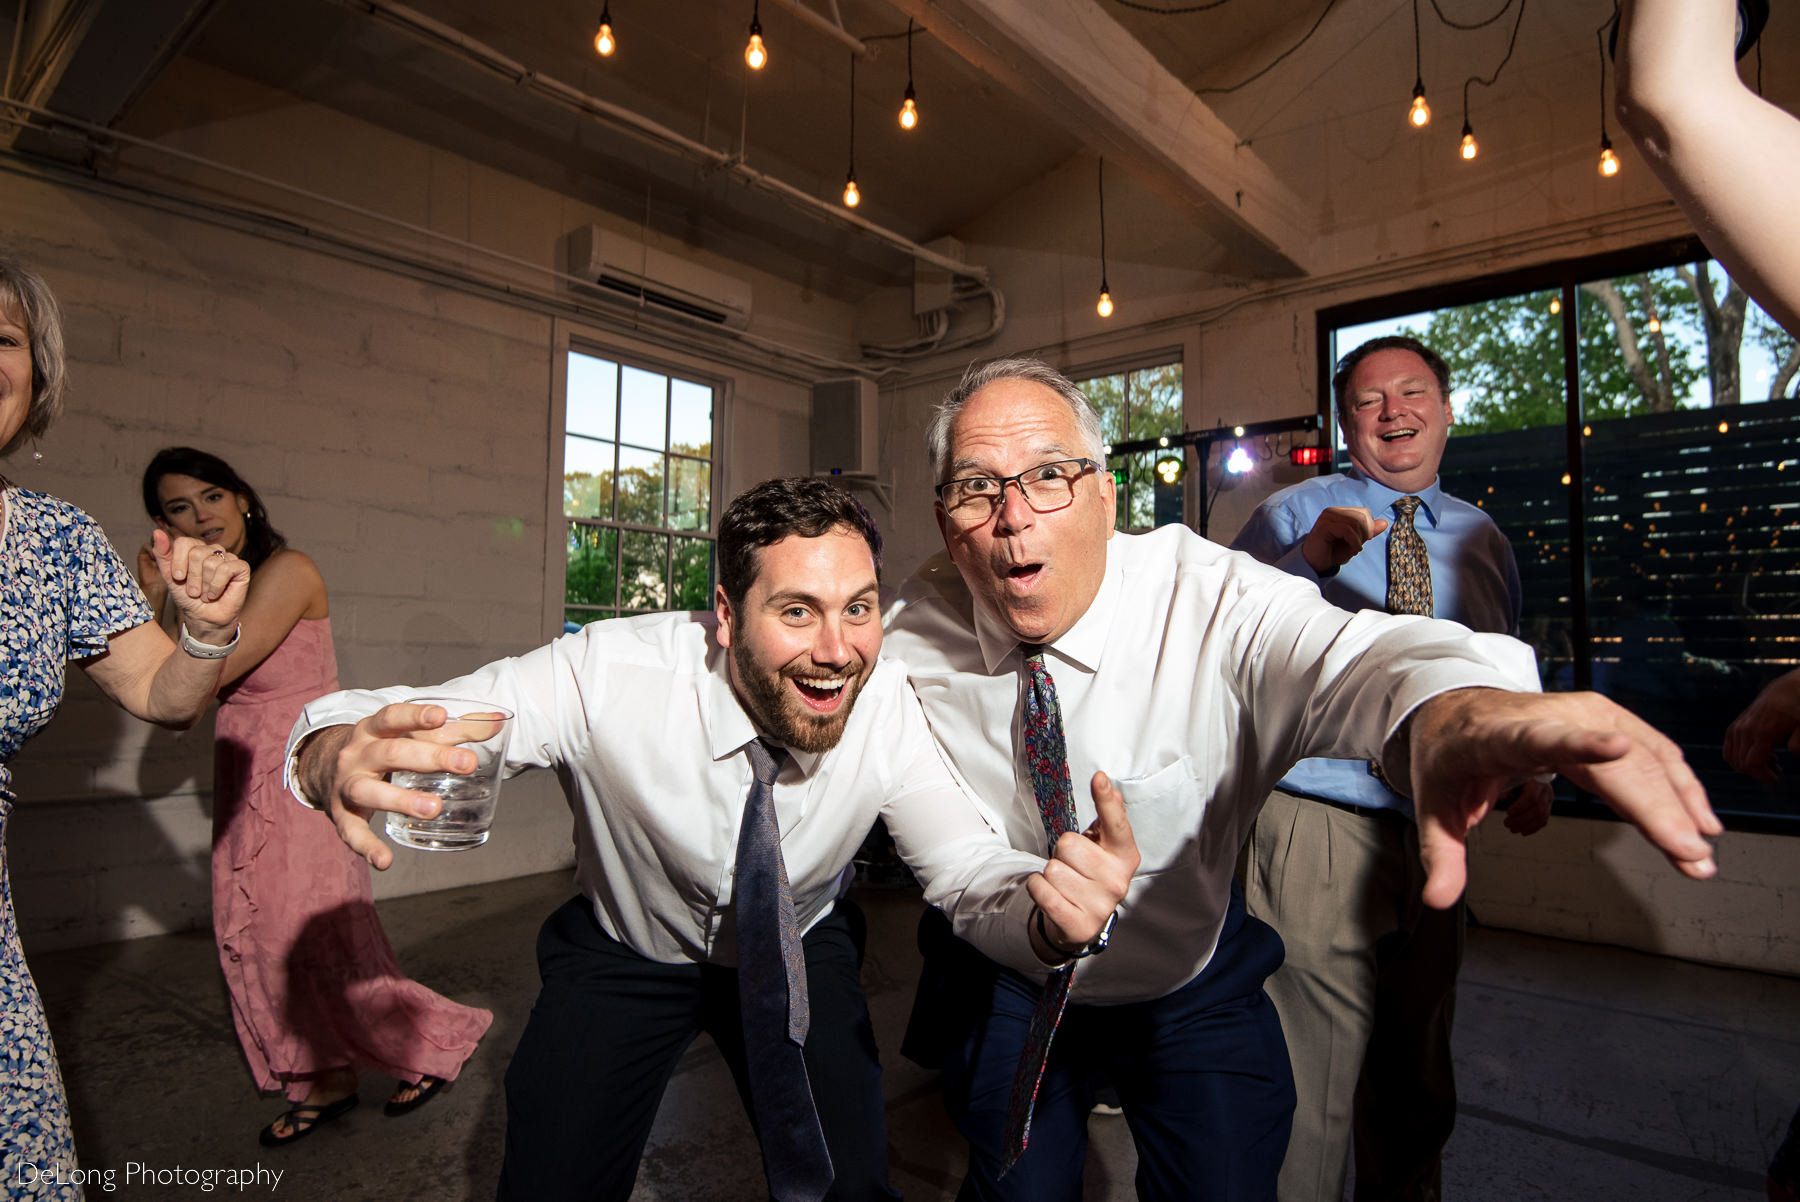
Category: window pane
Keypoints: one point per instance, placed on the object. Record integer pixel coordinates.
(1691, 596)
(640, 487)
(643, 408)
(690, 493)
(587, 478)
(690, 418)
(1145, 403)
(1156, 401)
(643, 582)
(592, 567)
(691, 574)
(593, 396)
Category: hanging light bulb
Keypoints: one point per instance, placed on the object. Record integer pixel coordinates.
(1469, 149)
(1609, 162)
(1420, 112)
(1419, 115)
(909, 108)
(1555, 305)
(1104, 306)
(756, 55)
(852, 197)
(604, 42)
(1653, 325)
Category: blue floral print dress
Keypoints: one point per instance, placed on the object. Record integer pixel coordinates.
(63, 591)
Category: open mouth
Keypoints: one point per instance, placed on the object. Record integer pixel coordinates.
(1397, 435)
(1025, 574)
(823, 694)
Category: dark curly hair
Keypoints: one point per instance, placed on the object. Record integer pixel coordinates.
(261, 540)
(759, 517)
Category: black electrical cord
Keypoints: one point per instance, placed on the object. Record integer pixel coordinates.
(1170, 12)
(1483, 24)
(1307, 36)
(1492, 79)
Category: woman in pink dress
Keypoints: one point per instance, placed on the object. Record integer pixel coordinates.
(316, 993)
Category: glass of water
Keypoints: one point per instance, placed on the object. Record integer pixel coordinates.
(468, 798)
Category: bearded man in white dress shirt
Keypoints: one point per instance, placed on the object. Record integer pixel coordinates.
(1195, 677)
(659, 725)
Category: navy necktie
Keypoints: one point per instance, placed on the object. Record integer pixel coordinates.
(1047, 759)
(772, 997)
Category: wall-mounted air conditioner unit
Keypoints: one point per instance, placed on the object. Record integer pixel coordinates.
(622, 268)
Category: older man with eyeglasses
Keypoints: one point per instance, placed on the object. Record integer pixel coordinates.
(1044, 648)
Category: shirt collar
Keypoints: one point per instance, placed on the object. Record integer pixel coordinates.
(1430, 497)
(1081, 643)
(728, 725)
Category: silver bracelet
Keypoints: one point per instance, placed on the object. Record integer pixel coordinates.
(199, 650)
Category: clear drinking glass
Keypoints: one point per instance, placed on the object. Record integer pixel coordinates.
(468, 798)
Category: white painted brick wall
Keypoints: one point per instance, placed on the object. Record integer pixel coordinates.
(398, 434)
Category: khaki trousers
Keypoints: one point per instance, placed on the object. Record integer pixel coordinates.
(1366, 998)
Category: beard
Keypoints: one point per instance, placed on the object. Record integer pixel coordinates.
(773, 703)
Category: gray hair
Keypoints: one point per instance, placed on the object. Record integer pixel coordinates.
(979, 376)
(27, 298)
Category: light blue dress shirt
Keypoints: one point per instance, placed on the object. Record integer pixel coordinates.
(1474, 580)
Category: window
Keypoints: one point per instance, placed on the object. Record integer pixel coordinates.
(1649, 511)
(1143, 402)
(637, 490)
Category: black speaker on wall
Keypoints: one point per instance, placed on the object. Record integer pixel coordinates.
(845, 421)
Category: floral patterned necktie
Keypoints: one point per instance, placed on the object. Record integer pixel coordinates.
(1409, 567)
(1047, 758)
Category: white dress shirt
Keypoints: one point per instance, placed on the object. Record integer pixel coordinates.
(639, 718)
(1196, 678)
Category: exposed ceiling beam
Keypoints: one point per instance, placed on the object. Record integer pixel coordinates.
(1087, 72)
(91, 59)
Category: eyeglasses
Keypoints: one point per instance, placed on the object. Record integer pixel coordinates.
(1047, 487)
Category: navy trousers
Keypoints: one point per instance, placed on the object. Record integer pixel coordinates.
(609, 1027)
(1202, 1073)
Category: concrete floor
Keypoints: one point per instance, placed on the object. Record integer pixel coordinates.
(1586, 1072)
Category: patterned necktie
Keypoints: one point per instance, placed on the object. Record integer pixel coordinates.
(772, 997)
(1409, 567)
(1047, 758)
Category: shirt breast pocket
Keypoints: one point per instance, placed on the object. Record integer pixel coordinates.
(1164, 808)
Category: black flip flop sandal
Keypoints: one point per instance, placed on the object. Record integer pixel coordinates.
(313, 1117)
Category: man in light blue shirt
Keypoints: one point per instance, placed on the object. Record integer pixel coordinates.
(1367, 993)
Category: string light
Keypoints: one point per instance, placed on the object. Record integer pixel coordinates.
(756, 55)
(1469, 149)
(1609, 162)
(1104, 307)
(1420, 112)
(909, 108)
(604, 42)
(852, 197)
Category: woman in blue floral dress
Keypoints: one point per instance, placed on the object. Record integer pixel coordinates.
(64, 595)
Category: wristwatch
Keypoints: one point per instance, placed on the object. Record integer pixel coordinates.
(1092, 947)
(199, 650)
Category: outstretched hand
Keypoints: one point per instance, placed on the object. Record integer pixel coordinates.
(1087, 877)
(207, 583)
(345, 768)
(1771, 721)
(1469, 746)
(1338, 534)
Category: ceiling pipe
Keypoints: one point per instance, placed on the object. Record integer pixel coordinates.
(825, 24)
(446, 40)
